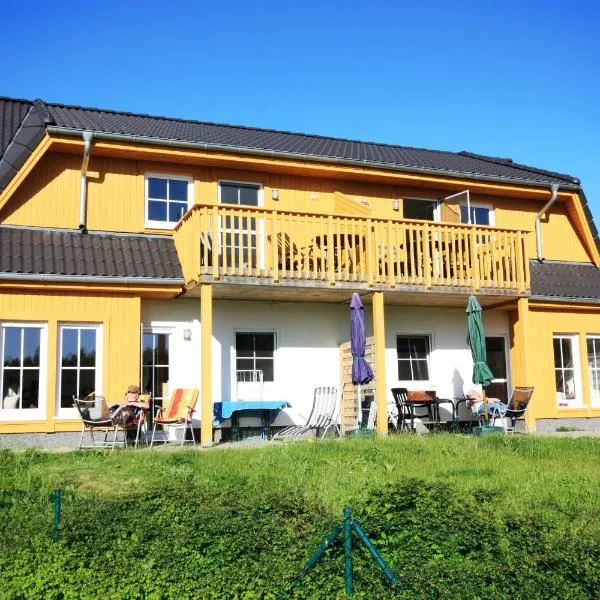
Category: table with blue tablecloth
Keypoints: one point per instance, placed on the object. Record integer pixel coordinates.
(230, 409)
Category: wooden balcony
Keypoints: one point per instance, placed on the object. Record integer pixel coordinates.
(248, 244)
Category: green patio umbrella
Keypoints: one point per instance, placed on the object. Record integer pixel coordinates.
(481, 372)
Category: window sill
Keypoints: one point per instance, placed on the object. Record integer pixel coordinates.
(160, 225)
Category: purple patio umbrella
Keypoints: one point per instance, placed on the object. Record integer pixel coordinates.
(361, 371)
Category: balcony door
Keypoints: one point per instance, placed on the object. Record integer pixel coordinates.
(241, 234)
(496, 359)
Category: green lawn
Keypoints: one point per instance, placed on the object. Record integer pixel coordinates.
(454, 516)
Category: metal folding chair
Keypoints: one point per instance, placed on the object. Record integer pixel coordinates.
(96, 416)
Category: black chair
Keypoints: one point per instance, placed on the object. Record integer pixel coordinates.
(96, 416)
(403, 421)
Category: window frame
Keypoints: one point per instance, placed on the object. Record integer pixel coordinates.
(489, 207)
(276, 340)
(152, 224)
(27, 414)
(437, 213)
(153, 330)
(72, 413)
(415, 334)
(594, 403)
(578, 401)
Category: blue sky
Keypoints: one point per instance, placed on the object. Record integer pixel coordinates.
(517, 79)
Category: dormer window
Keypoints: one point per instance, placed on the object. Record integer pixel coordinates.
(168, 198)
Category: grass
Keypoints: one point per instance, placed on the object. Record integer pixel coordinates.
(551, 483)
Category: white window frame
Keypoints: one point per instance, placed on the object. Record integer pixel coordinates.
(29, 414)
(489, 208)
(150, 224)
(268, 385)
(595, 401)
(412, 383)
(437, 213)
(72, 413)
(170, 331)
(260, 225)
(563, 403)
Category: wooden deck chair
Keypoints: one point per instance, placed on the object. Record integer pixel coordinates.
(324, 416)
(515, 409)
(177, 414)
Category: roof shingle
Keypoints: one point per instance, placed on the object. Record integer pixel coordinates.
(565, 280)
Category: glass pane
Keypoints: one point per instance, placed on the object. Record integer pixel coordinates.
(418, 347)
(266, 366)
(68, 387)
(176, 211)
(595, 383)
(481, 215)
(419, 209)
(591, 352)
(498, 390)
(31, 388)
(244, 344)
(569, 378)
(157, 210)
(557, 353)
(157, 188)
(161, 376)
(495, 356)
(11, 393)
(464, 214)
(87, 382)
(162, 349)
(148, 348)
(31, 347)
(248, 196)
(87, 352)
(264, 344)
(404, 371)
(420, 370)
(244, 364)
(69, 348)
(12, 346)
(402, 347)
(147, 382)
(229, 193)
(567, 353)
(178, 190)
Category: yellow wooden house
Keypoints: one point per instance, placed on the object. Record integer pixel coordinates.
(176, 253)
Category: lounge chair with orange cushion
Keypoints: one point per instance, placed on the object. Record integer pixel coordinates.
(177, 414)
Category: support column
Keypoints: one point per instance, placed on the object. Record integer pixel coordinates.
(379, 349)
(206, 415)
(521, 356)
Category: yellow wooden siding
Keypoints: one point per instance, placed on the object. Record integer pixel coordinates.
(532, 356)
(120, 318)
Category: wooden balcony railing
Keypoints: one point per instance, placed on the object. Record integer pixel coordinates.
(234, 241)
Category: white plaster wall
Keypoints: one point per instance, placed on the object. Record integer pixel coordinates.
(308, 339)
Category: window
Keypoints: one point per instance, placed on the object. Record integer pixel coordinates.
(480, 215)
(155, 364)
(255, 351)
(167, 199)
(22, 350)
(243, 194)
(593, 355)
(496, 359)
(413, 357)
(79, 364)
(566, 371)
(415, 208)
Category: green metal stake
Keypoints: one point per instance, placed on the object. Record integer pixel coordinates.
(376, 556)
(348, 550)
(56, 525)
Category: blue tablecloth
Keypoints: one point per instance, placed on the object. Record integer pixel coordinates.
(224, 410)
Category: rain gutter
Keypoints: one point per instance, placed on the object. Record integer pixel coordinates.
(538, 222)
(49, 278)
(87, 148)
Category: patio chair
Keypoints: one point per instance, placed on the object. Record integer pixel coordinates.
(403, 411)
(515, 409)
(177, 414)
(96, 416)
(324, 416)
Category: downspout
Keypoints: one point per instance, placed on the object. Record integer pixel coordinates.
(538, 221)
(87, 148)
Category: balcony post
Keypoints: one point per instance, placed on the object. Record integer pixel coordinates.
(274, 247)
(474, 260)
(379, 348)
(370, 251)
(216, 241)
(206, 414)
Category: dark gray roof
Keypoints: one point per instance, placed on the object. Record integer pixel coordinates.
(62, 252)
(12, 113)
(565, 280)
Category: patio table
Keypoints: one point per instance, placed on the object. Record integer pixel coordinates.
(230, 409)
